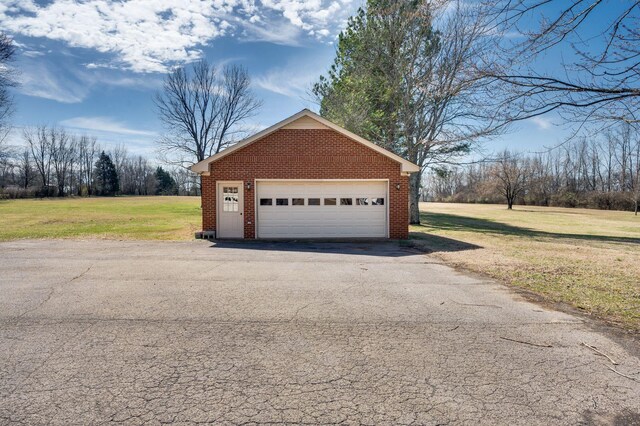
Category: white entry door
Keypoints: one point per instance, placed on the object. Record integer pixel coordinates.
(230, 210)
(322, 209)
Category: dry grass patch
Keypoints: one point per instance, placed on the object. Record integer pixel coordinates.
(589, 259)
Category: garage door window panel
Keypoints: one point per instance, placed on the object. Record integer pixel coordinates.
(297, 201)
(329, 201)
(314, 201)
(362, 201)
(377, 201)
(266, 201)
(282, 201)
(346, 201)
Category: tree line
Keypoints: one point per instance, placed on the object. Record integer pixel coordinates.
(432, 81)
(55, 162)
(602, 172)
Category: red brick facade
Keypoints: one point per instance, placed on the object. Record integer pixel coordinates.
(305, 154)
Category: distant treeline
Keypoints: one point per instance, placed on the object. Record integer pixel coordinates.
(54, 162)
(602, 172)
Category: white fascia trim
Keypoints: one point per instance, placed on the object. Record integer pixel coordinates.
(203, 166)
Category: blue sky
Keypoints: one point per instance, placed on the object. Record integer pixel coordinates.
(93, 66)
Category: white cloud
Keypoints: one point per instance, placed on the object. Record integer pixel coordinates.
(132, 82)
(296, 78)
(541, 122)
(150, 36)
(145, 35)
(49, 82)
(32, 53)
(287, 82)
(308, 15)
(104, 124)
(70, 85)
(284, 34)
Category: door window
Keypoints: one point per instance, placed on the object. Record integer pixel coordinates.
(230, 199)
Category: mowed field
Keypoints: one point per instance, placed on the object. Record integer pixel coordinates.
(588, 259)
(132, 218)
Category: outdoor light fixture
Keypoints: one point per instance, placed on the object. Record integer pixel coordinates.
(248, 186)
(398, 186)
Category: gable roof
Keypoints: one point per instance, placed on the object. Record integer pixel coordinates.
(203, 166)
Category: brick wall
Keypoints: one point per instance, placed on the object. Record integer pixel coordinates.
(305, 154)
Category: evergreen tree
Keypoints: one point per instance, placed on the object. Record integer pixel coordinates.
(367, 87)
(105, 176)
(410, 87)
(165, 184)
(383, 56)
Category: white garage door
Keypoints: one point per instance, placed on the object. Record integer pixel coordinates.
(322, 209)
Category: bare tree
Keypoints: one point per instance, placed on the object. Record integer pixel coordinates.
(7, 80)
(627, 156)
(185, 180)
(449, 112)
(5, 150)
(40, 146)
(601, 83)
(6, 168)
(119, 155)
(63, 156)
(142, 176)
(136, 176)
(509, 174)
(87, 155)
(201, 110)
(635, 190)
(26, 170)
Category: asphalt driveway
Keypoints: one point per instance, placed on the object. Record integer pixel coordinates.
(137, 332)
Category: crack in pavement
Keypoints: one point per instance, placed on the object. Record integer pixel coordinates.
(52, 290)
(296, 338)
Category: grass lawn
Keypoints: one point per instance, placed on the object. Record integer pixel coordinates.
(589, 259)
(143, 218)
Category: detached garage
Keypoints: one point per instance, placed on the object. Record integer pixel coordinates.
(305, 177)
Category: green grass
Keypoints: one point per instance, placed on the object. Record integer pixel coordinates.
(589, 259)
(144, 218)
